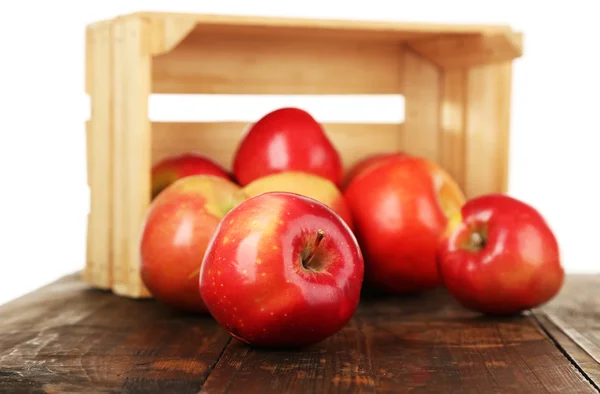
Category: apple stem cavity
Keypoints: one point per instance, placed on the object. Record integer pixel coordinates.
(306, 262)
(477, 241)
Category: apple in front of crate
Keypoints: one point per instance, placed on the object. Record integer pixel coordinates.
(282, 270)
(368, 163)
(286, 139)
(175, 234)
(502, 258)
(400, 210)
(172, 168)
(308, 185)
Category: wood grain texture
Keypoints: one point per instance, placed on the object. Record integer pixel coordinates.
(456, 51)
(422, 90)
(98, 270)
(487, 129)
(270, 64)
(219, 140)
(453, 118)
(573, 320)
(330, 28)
(132, 151)
(67, 338)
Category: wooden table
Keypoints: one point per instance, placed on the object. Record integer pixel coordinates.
(67, 338)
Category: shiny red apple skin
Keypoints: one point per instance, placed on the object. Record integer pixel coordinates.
(518, 267)
(368, 163)
(175, 234)
(286, 139)
(172, 168)
(400, 209)
(255, 285)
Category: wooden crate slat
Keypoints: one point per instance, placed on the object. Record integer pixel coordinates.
(453, 113)
(219, 140)
(460, 51)
(238, 64)
(421, 81)
(99, 151)
(487, 105)
(132, 144)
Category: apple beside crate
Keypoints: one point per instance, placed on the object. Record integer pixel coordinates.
(456, 80)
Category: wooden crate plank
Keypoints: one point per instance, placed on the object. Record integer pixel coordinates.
(452, 132)
(456, 51)
(421, 85)
(219, 140)
(320, 28)
(487, 129)
(132, 148)
(269, 64)
(98, 271)
(67, 338)
(573, 320)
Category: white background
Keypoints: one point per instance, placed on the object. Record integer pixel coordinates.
(43, 194)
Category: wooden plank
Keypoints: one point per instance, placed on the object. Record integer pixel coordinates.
(322, 27)
(339, 364)
(425, 343)
(422, 81)
(132, 149)
(67, 338)
(242, 64)
(487, 129)
(99, 151)
(468, 50)
(573, 320)
(452, 132)
(219, 140)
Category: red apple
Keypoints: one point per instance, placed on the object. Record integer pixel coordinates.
(368, 163)
(501, 258)
(303, 183)
(177, 228)
(400, 209)
(283, 140)
(282, 270)
(176, 167)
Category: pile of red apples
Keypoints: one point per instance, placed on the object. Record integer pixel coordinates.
(279, 250)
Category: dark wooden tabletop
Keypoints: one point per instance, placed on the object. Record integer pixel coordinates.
(66, 338)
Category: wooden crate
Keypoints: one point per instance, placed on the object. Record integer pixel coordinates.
(456, 80)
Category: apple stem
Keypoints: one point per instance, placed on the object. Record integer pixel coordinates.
(477, 240)
(320, 235)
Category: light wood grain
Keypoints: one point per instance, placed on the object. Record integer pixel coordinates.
(452, 132)
(460, 50)
(421, 81)
(219, 140)
(320, 27)
(99, 157)
(239, 64)
(132, 151)
(487, 129)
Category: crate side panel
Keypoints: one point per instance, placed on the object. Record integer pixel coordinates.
(421, 80)
(131, 84)
(452, 132)
(227, 64)
(487, 129)
(98, 268)
(219, 140)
